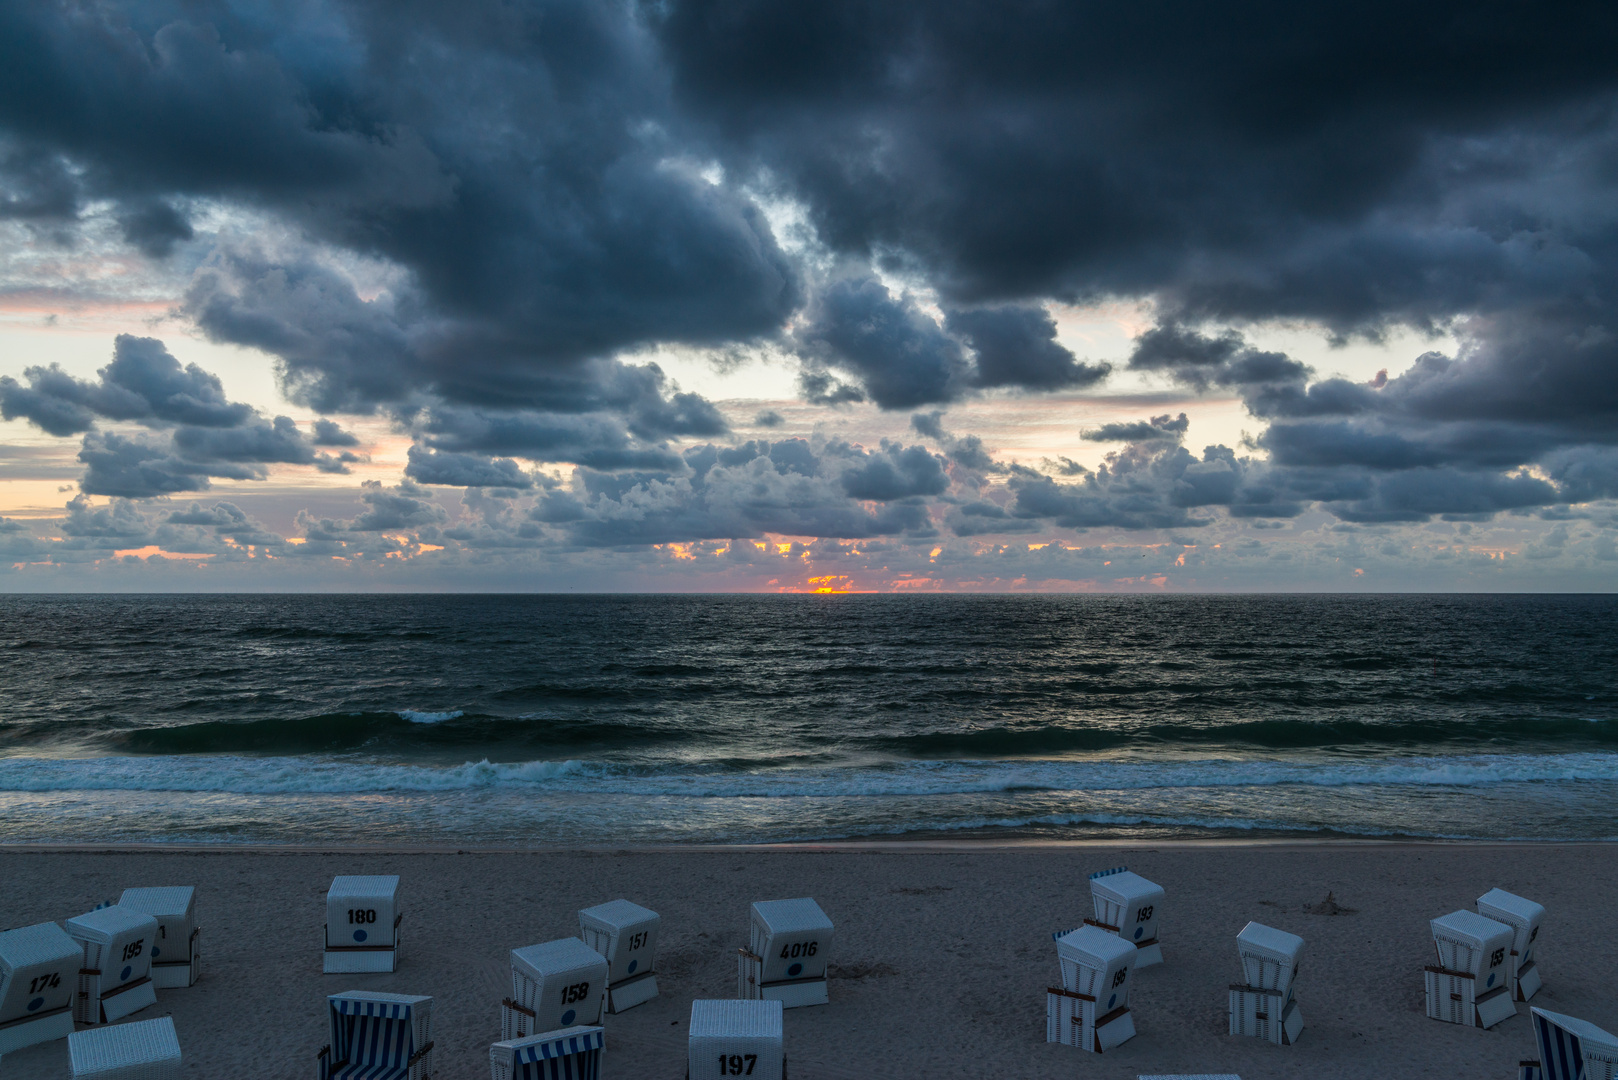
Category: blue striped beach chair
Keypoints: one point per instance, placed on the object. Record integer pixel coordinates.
(1561, 1050)
(566, 1054)
(378, 1036)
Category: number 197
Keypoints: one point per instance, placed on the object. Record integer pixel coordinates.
(737, 1064)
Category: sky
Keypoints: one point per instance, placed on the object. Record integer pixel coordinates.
(789, 296)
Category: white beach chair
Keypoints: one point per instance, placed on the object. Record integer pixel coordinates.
(1263, 1006)
(626, 934)
(736, 1038)
(176, 953)
(788, 945)
(1569, 1049)
(377, 1036)
(362, 924)
(569, 1054)
(143, 1050)
(39, 973)
(1470, 984)
(559, 984)
(1524, 918)
(1128, 905)
(115, 972)
(1090, 1010)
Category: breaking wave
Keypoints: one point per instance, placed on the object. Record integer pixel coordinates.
(300, 775)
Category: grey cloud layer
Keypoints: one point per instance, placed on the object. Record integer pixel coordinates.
(549, 186)
(196, 432)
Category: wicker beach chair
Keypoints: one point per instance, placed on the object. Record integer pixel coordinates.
(39, 974)
(143, 1050)
(1470, 983)
(569, 1054)
(789, 944)
(559, 984)
(1524, 918)
(1128, 905)
(362, 924)
(1090, 1010)
(1570, 1049)
(115, 973)
(377, 1036)
(736, 1038)
(176, 952)
(1262, 1006)
(626, 934)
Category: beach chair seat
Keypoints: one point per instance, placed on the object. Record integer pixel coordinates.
(1470, 985)
(142, 1050)
(362, 924)
(39, 975)
(558, 984)
(1569, 1049)
(789, 943)
(1524, 917)
(736, 1038)
(376, 1036)
(176, 952)
(1128, 905)
(1263, 1006)
(569, 1054)
(115, 971)
(626, 934)
(1090, 1010)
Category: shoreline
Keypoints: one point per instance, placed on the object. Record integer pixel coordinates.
(807, 846)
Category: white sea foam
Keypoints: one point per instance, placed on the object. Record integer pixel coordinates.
(416, 717)
(310, 775)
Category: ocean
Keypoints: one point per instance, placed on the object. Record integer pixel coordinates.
(517, 721)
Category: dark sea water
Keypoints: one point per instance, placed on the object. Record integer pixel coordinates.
(538, 720)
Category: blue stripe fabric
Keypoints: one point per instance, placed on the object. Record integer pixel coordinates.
(1104, 873)
(374, 1039)
(581, 1066)
(1559, 1054)
(556, 1048)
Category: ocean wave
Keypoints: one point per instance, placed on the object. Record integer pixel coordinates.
(404, 732)
(306, 775)
(416, 717)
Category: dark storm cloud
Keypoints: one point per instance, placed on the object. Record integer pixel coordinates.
(783, 487)
(900, 354)
(154, 228)
(1015, 345)
(330, 433)
(464, 470)
(897, 472)
(901, 357)
(198, 432)
(143, 384)
(1248, 159)
(1450, 436)
(1163, 427)
(536, 190)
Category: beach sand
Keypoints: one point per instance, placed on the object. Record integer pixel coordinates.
(945, 950)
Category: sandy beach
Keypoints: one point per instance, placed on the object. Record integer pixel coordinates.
(943, 950)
